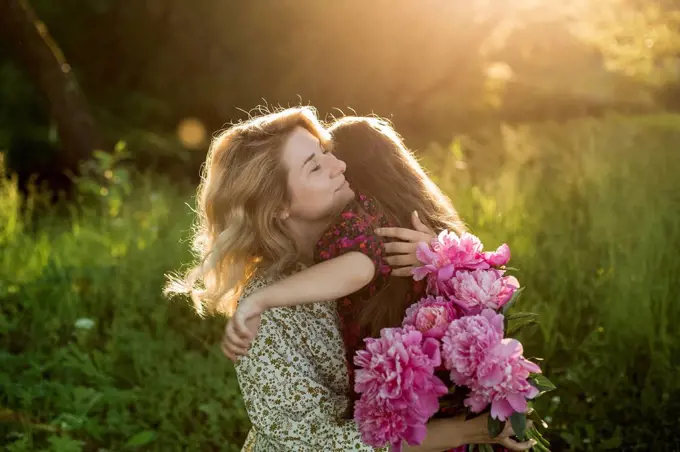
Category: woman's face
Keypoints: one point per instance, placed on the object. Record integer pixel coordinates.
(316, 179)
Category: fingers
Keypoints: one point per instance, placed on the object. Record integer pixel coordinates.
(406, 235)
(241, 329)
(506, 440)
(402, 272)
(401, 260)
(418, 225)
(515, 445)
(232, 344)
(400, 247)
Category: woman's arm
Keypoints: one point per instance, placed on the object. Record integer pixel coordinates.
(445, 434)
(403, 252)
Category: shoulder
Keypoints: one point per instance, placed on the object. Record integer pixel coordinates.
(255, 283)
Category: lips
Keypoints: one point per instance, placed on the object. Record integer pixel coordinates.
(342, 186)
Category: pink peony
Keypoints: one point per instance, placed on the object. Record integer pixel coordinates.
(380, 426)
(431, 316)
(479, 289)
(499, 257)
(396, 376)
(467, 341)
(501, 380)
(449, 253)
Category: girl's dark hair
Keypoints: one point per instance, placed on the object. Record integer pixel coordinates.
(380, 166)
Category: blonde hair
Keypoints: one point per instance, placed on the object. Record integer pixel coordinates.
(243, 189)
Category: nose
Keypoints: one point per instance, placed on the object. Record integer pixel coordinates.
(337, 166)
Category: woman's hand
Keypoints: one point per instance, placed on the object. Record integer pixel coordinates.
(449, 433)
(476, 431)
(403, 254)
(242, 328)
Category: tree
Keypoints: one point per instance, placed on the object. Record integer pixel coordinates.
(31, 45)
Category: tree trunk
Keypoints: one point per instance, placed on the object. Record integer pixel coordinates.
(32, 46)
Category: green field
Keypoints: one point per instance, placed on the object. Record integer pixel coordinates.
(92, 357)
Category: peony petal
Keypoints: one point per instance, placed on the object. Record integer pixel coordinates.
(415, 434)
(512, 281)
(531, 367)
(508, 348)
(446, 273)
(492, 378)
(420, 273)
(431, 348)
(424, 254)
(501, 409)
(517, 402)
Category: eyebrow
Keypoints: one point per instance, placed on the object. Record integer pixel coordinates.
(308, 159)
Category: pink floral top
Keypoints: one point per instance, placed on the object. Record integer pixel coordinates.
(354, 231)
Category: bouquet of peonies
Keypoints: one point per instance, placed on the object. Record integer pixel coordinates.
(459, 328)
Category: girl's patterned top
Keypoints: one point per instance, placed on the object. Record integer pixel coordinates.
(294, 383)
(354, 231)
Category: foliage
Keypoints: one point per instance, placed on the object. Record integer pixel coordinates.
(591, 210)
(94, 357)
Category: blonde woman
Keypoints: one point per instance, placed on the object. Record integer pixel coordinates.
(270, 189)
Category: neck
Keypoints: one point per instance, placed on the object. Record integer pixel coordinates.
(306, 234)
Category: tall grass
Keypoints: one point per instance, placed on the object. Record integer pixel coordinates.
(93, 358)
(591, 210)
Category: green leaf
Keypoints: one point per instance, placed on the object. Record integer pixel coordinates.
(518, 326)
(614, 442)
(541, 382)
(65, 444)
(485, 448)
(519, 425)
(521, 315)
(141, 439)
(120, 147)
(495, 426)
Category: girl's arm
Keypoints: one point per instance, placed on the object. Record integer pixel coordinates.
(328, 280)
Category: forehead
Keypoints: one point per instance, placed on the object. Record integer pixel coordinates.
(298, 146)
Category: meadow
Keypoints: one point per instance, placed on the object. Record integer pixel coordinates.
(93, 358)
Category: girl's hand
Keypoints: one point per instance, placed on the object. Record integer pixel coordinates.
(242, 328)
(403, 253)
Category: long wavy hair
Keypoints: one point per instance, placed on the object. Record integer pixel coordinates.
(381, 166)
(238, 230)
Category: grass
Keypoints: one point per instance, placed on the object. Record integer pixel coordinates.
(590, 208)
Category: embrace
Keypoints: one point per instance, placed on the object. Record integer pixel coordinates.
(304, 237)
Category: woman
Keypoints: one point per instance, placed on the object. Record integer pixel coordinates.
(269, 191)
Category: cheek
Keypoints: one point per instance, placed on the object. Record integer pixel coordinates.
(309, 200)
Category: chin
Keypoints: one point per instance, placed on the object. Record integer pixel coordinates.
(347, 193)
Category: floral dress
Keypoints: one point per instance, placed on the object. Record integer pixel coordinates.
(293, 381)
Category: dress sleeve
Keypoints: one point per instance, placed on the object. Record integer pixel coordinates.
(286, 400)
(354, 233)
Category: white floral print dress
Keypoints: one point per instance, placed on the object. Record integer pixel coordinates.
(294, 381)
